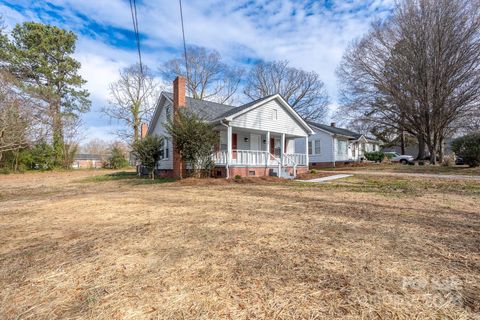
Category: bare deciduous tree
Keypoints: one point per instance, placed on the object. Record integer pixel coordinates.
(304, 91)
(14, 118)
(133, 99)
(208, 77)
(419, 71)
(97, 146)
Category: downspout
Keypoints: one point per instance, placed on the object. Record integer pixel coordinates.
(227, 170)
(333, 150)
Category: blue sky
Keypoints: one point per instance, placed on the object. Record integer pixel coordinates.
(312, 35)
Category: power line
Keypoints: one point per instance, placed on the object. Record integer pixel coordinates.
(184, 43)
(133, 11)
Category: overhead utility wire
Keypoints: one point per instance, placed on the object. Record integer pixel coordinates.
(184, 43)
(133, 10)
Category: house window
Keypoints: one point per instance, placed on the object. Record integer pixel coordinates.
(161, 153)
(341, 147)
(168, 112)
(165, 148)
(251, 172)
(309, 147)
(274, 114)
(317, 147)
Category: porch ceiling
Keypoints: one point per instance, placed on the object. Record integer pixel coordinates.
(254, 131)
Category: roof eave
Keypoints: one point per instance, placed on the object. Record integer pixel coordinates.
(262, 101)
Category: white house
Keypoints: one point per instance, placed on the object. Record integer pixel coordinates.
(256, 139)
(331, 146)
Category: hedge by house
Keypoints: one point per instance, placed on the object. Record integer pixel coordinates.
(376, 156)
(468, 148)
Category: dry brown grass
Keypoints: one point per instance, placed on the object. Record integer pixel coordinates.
(363, 247)
(400, 168)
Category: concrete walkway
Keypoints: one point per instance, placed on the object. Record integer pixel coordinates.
(415, 175)
(325, 179)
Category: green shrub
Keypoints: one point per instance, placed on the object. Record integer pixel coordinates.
(147, 151)
(194, 139)
(238, 177)
(40, 157)
(468, 148)
(117, 159)
(313, 171)
(376, 156)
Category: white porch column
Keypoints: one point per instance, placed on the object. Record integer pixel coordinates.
(306, 151)
(283, 148)
(229, 144)
(268, 147)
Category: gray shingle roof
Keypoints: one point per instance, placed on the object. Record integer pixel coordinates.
(211, 111)
(206, 110)
(334, 130)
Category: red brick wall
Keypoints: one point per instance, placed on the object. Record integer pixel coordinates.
(179, 102)
(244, 171)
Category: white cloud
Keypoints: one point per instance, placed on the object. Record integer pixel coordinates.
(313, 38)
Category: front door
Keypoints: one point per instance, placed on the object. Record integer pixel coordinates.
(234, 146)
(272, 148)
(255, 142)
(278, 147)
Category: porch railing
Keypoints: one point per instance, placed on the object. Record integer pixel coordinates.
(244, 157)
(298, 159)
(258, 158)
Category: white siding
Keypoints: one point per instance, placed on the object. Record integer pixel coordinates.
(260, 118)
(159, 130)
(341, 155)
(325, 147)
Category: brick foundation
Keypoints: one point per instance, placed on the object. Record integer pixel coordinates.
(250, 171)
(319, 165)
(220, 172)
(338, 164)
(164, 173)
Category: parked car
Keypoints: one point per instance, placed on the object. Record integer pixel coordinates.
(402, 158)
(459, 161)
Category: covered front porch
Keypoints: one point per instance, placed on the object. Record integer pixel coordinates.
(240, 147)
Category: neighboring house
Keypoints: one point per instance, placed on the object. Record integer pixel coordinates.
(256, 139)
(87, 161)
(331, 146)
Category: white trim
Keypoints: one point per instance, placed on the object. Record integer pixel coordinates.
(156, 114)
(229, 144)
(283, 102)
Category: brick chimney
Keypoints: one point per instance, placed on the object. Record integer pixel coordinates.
(333, 124)
(179, 101)
(143, 130)
(178, 94)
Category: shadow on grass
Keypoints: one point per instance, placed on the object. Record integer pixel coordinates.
(127, 176)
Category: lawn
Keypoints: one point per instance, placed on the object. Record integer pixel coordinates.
(400, 168)
(99, 246)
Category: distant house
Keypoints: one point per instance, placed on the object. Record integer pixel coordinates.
(87, 161)
(256, 139)
(331, 146)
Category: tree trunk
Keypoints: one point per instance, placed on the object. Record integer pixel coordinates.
(402, 142)
(421, 147)
(57, 131)
(441, 152)
(135, 132)
(433, 153)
